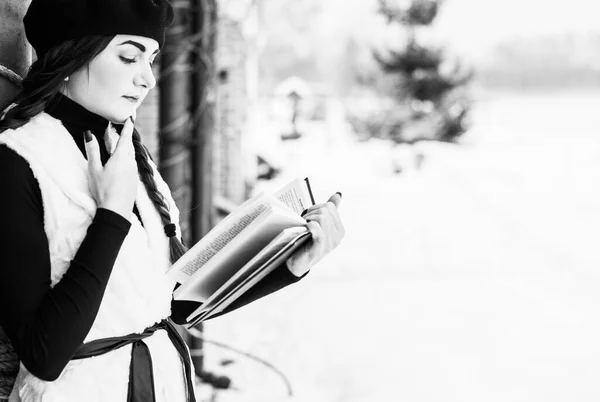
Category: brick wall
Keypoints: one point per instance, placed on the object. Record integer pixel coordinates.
(229, 158)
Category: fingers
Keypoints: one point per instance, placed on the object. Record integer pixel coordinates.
(125, 144)
(327, 212)
(92, 151)
(327, 230)
(325, 238)
(333, 201)
(316, 231)
(336, 199)
(329, 221)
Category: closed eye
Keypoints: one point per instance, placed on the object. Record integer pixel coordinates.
(131, 61)
(127, 60)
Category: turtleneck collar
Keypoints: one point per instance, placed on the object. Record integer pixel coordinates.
(76, 116)
(77, 119)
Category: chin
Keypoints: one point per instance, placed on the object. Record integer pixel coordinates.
(119, 118)
(118, 115)
(121, 121)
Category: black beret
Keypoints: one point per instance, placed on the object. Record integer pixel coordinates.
(51, 22)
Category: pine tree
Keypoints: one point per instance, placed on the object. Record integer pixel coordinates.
(431, 102)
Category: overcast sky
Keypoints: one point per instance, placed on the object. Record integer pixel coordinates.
(473, 26)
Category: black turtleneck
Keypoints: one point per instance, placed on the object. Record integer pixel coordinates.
(77, 119)
(46, 325)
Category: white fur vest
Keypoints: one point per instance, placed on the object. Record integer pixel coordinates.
(138, 293)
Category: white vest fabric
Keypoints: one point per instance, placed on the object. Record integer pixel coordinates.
(138, 293)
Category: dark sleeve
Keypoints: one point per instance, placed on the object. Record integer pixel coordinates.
(46, 325)
(276, 280)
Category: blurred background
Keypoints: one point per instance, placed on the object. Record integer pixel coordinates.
(464, 136)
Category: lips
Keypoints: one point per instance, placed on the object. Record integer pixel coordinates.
(132, 98)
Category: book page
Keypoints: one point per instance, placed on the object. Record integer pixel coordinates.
(237, 252)
(264, 262)
(296, 195)
(218, 238)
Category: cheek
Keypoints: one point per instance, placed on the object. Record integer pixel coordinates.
(107, 78)
(108, 83)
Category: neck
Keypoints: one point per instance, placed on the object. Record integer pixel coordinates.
(75, 115)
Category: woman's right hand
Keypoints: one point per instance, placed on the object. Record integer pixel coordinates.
(114, 185)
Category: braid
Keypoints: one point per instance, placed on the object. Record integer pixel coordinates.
(146, 173)
(9, 368)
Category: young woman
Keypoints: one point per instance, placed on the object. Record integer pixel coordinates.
(88, 226)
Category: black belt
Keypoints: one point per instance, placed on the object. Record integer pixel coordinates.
(141, 376)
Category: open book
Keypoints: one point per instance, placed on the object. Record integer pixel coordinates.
(242, 249)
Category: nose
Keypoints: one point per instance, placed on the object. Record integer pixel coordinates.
(145, 77)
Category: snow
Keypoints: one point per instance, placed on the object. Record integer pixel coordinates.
(474, 278)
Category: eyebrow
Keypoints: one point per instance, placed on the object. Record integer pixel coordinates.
(138, 45)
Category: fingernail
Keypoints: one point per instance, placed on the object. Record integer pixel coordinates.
(339, 194)
(88, 136)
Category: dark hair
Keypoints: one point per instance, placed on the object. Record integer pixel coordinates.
(40, 89)
(46, 75)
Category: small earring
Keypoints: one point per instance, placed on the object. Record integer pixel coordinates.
(67, 79)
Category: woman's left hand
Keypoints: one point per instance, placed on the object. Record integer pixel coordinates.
(327, 231)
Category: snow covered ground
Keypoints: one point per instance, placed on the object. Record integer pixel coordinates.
(475, 278)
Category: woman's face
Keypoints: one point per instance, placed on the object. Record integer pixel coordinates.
(117, 80)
